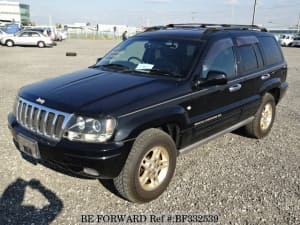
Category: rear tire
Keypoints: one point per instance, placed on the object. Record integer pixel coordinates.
(149, 167)
(9, 43)
(41, 44)
(264, 118)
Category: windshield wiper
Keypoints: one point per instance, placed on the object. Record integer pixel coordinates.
(112, 65)
(156, 71)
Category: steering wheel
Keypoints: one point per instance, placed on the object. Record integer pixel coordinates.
(133, 58)
(167, 65)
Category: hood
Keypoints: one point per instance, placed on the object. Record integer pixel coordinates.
(94, 91)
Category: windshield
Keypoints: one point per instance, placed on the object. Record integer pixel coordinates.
(153, 56)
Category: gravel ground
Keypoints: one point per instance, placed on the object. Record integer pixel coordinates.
(242, 180)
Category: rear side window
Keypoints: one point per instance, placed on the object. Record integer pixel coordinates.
(271, 50)
(248, 60)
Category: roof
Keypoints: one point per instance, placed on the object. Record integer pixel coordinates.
(196, 30)
(182, 33)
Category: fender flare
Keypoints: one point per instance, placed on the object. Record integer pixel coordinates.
(131, 126)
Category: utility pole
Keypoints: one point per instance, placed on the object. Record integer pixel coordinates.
(254, 8)
(298, 26)
(50, 21)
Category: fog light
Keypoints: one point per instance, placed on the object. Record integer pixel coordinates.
(91, 172)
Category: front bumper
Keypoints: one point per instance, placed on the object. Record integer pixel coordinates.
(106, 159)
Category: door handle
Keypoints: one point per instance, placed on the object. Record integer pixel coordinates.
(235, 87)
(265, 76)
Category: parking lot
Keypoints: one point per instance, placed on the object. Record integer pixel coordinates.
(242, 180)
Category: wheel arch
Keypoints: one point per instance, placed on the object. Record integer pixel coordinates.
(273, 87)
(9, 40)
(41, 41)
(171, 120)
(275, 92)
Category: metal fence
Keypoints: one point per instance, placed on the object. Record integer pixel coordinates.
(94, 35)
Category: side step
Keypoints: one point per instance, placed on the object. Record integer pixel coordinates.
(205, 140)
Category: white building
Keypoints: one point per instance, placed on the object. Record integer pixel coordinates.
(14, 12)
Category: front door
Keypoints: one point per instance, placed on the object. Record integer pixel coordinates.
(216, 107)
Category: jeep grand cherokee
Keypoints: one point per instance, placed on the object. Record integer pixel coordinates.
(160, 93)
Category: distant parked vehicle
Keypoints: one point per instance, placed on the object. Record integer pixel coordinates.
(27, 37)
(296, 42)
(286, 39)
(50, 31)
(11, 28)
(44, 31)
(63, 34)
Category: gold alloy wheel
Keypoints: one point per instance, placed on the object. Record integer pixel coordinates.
(154, 168)
(266, 116)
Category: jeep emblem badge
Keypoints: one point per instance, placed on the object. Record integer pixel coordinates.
(40, 100)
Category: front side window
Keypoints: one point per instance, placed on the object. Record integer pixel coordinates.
(25, 34)
(158, 56)
(220, 58)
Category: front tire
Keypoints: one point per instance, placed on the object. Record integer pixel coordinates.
(264, 118)
(149, 167)
(9, 43)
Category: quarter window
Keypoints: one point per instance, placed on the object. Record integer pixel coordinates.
(271, 50)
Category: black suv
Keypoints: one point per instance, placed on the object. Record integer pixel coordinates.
(156, 95)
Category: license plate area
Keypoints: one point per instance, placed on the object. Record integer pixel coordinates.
(28, 146)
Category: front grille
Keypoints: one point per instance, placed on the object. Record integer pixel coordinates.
(41, 120)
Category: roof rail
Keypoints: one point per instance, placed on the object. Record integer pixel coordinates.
(209, 26)
(154, 28)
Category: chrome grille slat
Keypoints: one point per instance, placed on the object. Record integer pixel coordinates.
(53, 126)
(37, 120)
(22, 113)
(17, 108)
(26, 114)
(44, 121)
(31, 118)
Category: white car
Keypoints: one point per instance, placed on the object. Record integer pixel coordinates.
(296, 42)
(286, 39)
(32, 38)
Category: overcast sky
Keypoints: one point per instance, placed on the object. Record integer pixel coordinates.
(271, 13)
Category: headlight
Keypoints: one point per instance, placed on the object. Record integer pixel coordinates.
(92, 130)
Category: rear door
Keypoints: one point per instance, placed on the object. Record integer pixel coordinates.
(35, 38)
(250, 73)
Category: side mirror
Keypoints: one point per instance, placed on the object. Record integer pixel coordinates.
(216, 78)
(98, 60)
